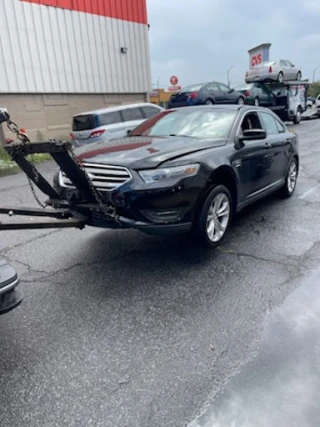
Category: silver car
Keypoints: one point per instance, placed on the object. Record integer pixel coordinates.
(277, 70)
(110, 123)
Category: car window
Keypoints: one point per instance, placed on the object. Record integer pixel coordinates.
(194, 88)
(213, 87)
(83, 122)
(250, 121)
(270, 124)
(283, 63)
(290, 63)
(131, 114)
(150, 111)
(224, 88)
(280, 127)
(110, 118)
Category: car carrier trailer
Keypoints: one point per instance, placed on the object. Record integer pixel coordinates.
(289, 99)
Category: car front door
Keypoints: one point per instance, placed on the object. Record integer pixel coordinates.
(228, 96)
(279, 140)
(252, 160)
(215, 93)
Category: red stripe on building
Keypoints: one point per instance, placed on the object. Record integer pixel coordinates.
(127, 10)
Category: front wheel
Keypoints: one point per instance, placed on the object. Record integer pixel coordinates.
(291, 179)
(256, 101)
(297, 117)
(214, 219)
(280, 77)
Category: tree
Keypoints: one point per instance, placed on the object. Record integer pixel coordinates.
(314, 89)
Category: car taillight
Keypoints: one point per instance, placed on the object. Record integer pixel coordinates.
(72, 136)
(193, 95)
(270, 69)
(246, 93)
(96, 133)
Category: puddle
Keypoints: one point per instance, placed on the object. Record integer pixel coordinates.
(281, 386)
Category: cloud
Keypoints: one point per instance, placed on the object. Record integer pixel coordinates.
(198, 40)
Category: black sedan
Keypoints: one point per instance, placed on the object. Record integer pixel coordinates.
(257, 94)
(205, 94)
(10, 298)
(187, 170)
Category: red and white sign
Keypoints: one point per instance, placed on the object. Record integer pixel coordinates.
(174, 80)
(256, 60)
(174, 88)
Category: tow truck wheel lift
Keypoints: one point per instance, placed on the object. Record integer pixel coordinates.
(62, 216)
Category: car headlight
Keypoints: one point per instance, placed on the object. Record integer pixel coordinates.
(155, 175)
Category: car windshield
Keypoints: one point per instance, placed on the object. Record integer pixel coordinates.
(194, 124)
(83, 122)
(193, 88)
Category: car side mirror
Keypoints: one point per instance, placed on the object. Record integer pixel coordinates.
(231, 90)
(128, 132)
(250, 135)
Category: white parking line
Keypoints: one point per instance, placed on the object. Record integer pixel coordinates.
(304, 195)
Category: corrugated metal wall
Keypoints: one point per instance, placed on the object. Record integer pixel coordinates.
(53, 50)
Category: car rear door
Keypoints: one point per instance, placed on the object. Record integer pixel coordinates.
(132, 117)
(112, 124)
(150, 111)
(279, 141)
(252, 160)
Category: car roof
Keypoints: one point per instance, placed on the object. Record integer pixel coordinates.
(225, 107)
(118, 108)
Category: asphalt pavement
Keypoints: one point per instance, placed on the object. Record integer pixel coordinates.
(118, 328)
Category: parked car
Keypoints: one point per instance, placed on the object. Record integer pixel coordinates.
(110, 123)
(310, 101)
(10, 298)
(277, 70)
(317, 104)
(205, 94)
(257, 94)
(188, 170)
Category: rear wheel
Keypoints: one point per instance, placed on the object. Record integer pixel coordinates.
(291, 179)
(297, 117)
(209, 102)
(299, 75)
(256, 101)
(280, 77)
(240, 101)
(214, 219)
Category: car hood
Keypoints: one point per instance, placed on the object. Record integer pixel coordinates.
(143, 152)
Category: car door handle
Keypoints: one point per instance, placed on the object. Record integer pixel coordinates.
(267, 145)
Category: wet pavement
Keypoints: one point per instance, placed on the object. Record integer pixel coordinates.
(123, 329)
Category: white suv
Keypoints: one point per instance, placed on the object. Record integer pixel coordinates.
(110, 123)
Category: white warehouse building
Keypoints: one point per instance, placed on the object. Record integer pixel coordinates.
(62, 57)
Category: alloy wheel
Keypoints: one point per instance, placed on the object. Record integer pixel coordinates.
(292, 177)
(240, 101)
(218, 217)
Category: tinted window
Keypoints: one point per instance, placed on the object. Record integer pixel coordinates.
(109, 118)
(194, 88)
(224, 88)
(150, 111)
(270, 124)
(131, 114)
(213, 87)
(283, 63)
(83, 122)
(250, 121)
(196, 124)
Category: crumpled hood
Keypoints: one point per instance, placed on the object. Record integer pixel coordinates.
(143, 152)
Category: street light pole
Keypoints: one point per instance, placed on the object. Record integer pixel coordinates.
(314, 73)
(158, 85)
(228, 74)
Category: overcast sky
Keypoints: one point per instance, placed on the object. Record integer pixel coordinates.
(198, 40)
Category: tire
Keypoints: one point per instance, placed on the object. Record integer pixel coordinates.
(256, 101)
(297, 117)
(209, 102)
(299, 75)
(240, 101)
(205, 230)
(280, 77)
(291, 180)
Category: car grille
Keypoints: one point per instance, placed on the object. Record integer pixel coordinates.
(103, 177)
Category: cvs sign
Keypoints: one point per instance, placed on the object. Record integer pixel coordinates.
(256, 60)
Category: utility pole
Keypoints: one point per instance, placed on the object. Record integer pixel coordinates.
(314, 73)
(228, 75)
(158, 86)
